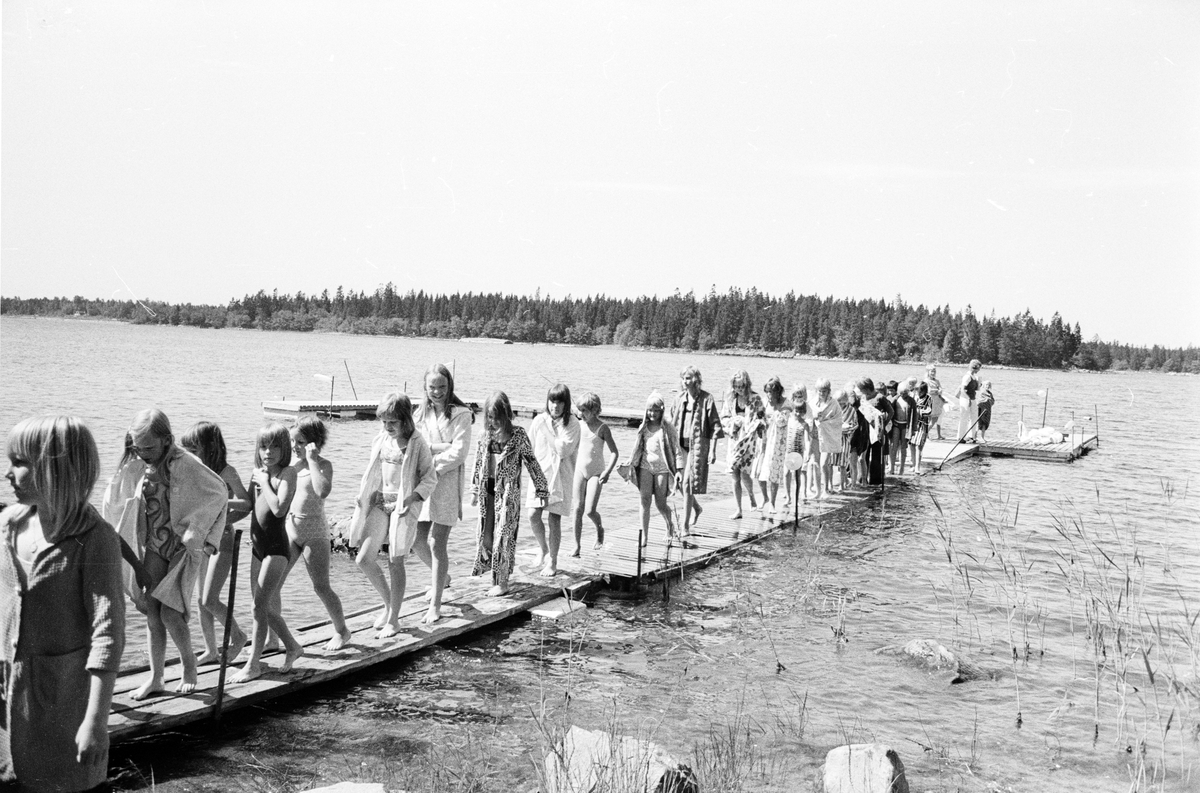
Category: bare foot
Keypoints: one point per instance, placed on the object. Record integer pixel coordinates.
(338, 640)
(381, 620)
(237, 641)
(541, 560)
(389, 630)
(429, 591)
(497, 591)
(272, 645)
(736, 516)
(432, 615)
(247, 673)
(599, 545)
(575, 554)
(187, 683)
(151, 686)
(293, 655)
(208, 657)
(696, 519)
(549, 571)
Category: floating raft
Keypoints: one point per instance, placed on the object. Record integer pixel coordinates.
(1073, 446)
(289, 409)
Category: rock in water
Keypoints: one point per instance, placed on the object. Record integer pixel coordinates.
(589, 760)
(864, 768)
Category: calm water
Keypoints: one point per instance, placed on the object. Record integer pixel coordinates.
(779, 641)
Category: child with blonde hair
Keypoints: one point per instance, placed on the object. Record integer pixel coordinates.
(591, 471)
(654, 462)
(400, 477)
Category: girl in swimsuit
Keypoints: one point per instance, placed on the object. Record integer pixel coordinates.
(400, 478)
(591, 473)
(204, 439)
(307, 527)
(272, 486)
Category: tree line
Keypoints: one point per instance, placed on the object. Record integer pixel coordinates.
(737, 319)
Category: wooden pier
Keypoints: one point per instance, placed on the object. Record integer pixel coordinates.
(618, 565)
(292, 410)
(466, 608)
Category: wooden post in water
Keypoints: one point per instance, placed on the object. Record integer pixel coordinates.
(1021, 422)
(1045, 405)
(331, 379)
(224, 660)
(1097, 409)
(351, 379)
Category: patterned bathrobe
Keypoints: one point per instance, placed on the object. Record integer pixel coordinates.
(502, 511)
(704, 426)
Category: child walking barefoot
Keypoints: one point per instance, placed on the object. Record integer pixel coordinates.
(654, 462)
(307, 527)
(921, 425)
(591, 473)
(399, 478)
(555, 438)
(205, 440)
(272, 486)
(496, 490)
(770, 468)
(801, 440)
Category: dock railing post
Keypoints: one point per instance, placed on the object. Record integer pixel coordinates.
(224, 660)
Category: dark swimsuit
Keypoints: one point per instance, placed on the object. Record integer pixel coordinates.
(270, 537)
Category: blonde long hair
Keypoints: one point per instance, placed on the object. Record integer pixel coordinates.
(65, 465)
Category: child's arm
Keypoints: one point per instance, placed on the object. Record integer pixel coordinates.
(279, 497)
(614, 455)
(131, 558)
(540, 486)
(320, 469)
(426, 476)
(239, 503)
(448, 456)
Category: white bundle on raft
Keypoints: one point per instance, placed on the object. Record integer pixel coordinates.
(1043, 436)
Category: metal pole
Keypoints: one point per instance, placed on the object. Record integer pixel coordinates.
(1044, 406)
(237, 544)
(351, 379)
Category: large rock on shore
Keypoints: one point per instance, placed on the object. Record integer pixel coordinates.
(864, 768)
(588, 760)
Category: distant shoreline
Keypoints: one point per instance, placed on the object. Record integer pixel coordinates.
(733, 352)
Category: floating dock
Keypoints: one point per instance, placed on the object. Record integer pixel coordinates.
(291, 410)
(938, 453)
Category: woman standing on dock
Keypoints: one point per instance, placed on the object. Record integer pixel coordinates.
(694, 415)
(937, 399)
(170, 509)
(741, 416)
(555, 438)
(969, 415)
(444, 421)
(60, 568)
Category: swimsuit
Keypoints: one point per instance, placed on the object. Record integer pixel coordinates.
(591, 453)
(268, 538)
(307, 514)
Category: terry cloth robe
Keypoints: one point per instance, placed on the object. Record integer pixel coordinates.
(637, 457)
(417, 475)
(448, 439)
(704, 425)
(58, 625)
(555, 452)
(198, 503)
(828, 418)
(499, 553)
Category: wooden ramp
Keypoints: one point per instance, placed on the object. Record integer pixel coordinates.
(293, 409)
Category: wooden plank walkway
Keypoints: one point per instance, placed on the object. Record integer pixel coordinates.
(467, 608)
(946, 453)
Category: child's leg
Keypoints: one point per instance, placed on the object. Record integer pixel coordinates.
(439, 536)
(645, 492)
(176, 625)
(578, 497)
(538, 527)
(155, 567)
(773, 489)
(553, 542)
(737, 494)
(391, 625)
(660, 501)
(375, 531)
(423, 548)
(594, 486)
(213, 610)
(316, 561)
(749, 488)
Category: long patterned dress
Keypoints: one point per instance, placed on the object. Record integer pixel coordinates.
(769, 467)
(499, 501)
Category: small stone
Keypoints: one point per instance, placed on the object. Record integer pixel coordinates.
(864, 768)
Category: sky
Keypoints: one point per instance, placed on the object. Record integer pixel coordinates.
(1007, 156)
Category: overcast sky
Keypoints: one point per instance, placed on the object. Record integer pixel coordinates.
(1041, 155)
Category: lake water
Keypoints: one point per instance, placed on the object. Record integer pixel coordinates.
(1087, 572)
